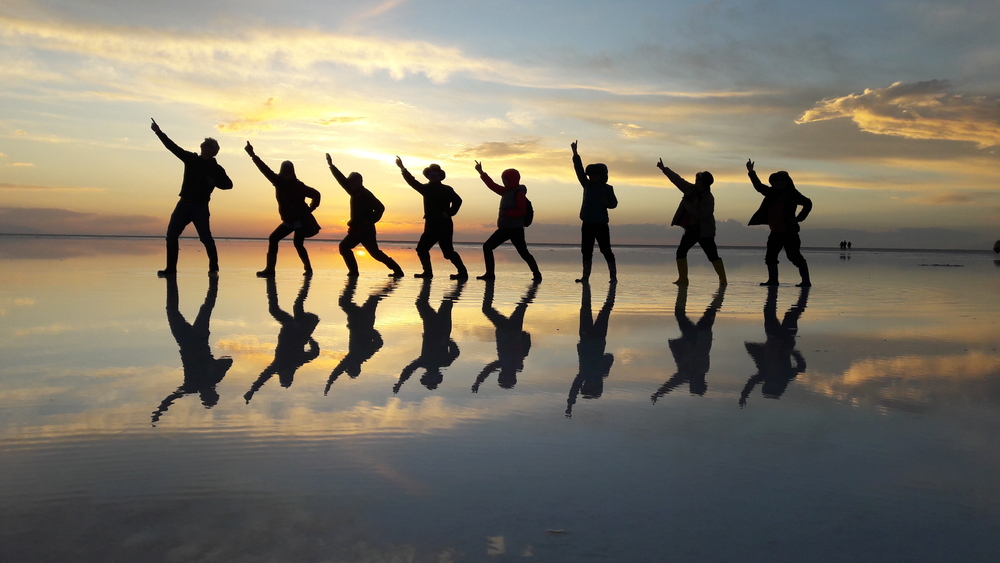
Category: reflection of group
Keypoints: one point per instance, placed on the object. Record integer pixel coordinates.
(695, 213)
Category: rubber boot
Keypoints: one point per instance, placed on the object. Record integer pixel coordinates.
(804, 272)
(682, 271)
(587, 264)
(213, 257)
(772, 275)
(462, 273)
(613, 271)
(425, 261)
(173, 249)
(490, 263)
(272, 260)
(720, 269)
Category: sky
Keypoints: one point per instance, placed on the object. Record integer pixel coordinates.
(887, 115)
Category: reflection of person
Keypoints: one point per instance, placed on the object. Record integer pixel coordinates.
(510, 221)
(696, 213)
(774, 358)
(513, 343)
(366, 210)
(202, 174)
(202, 371)
(296, 216)
(295, 336)
(777, 211)
(441, 203)
(598, 197)
(437, 349)
(692, 350)
(363, 340)
(595, 364)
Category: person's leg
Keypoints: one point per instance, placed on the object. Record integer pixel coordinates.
(498, 237)
(370, 242)
(587, 249)
(448, 250)
(347, 251)
(774, 243)
(280, 232)
(792, 250)
(603, 236)
(300, 246)
(712, 252)
(427, 240)
(202, 225)
(178, 220)
(688, 240)
(517, 239)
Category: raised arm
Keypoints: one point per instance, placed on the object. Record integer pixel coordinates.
(171, 146)
(675, 178)
(264, 169)
(757, 184)
(489, 181)
(581, 175)
(341, 179)
(409, 177)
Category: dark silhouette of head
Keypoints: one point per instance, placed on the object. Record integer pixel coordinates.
(704, 179)
(511, 178)
(597, 172)
(434, 173)
(209, 147)
(507, 378)
(355, 181)
(781, 180)
(432, 378)
(287, 170)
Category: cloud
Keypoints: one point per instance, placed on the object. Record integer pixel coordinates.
(22, 164)
(38, 187)
(66, 221)
(631, 130)
(920, 110)
(497, 149)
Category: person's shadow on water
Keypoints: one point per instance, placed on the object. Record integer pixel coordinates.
(296, 346)
(595, 364)
(692, 350)
(437, 349)
(363, 339)
(513, 343)
(778, 362)
(202, 371)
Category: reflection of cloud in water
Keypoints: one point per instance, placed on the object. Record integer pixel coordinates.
(914, 383)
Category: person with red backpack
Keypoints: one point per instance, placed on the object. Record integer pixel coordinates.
(515, 214)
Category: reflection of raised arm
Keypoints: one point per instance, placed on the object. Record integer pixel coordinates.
(264, 168)
(748, 388)
(490, 368)
(405, 374)
(171, 146)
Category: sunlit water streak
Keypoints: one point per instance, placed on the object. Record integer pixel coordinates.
(878, 444)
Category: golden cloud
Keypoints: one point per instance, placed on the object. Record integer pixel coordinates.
(921, 110)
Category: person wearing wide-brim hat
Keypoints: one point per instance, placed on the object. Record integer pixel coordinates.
(441, 203)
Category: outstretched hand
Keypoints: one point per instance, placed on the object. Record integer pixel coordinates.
(329, 161)
(749, 165)
(573, 146)
(249, 149)
(479, 166)
(660, 164)
(399, 163)
(154, 126)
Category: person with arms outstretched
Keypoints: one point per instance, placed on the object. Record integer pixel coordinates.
(513, 342)
(598, 197)
(296, 216)
(437, 349)
(510, 221)
(696, 213)
(202, 174)
(595, 363)
(693, 349)
(777, 211)
(441, 203)
(366, 210)
(777, 360)
(363, 339)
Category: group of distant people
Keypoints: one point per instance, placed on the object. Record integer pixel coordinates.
(845, 245)
(695, 213)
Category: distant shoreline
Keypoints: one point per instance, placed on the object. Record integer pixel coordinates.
(465, 243)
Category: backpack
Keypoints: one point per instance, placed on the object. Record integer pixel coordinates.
(529, 213)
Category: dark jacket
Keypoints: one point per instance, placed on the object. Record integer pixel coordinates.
(291, 194)
(201, 175)
(791, 197)
(366, 209)
(697, 207)
(597, 197)
(441, 203)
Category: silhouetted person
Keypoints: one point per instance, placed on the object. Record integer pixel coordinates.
(363, 340)
(437, 349)
(696, 213)
(996, 247)
(595, 364)
(510, 220)
(296, 216)
(366, 210)
(843, 245)
(848, 245)
(296, 346)
(441, 203)
(598, 197)
(513, 343)
(691, 351)
(778, 362)
(202, 370)
(777, 211)
(202, 174)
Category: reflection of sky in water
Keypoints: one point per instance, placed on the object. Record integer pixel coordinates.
(882, 440)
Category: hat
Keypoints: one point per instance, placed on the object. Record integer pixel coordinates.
(434, 172)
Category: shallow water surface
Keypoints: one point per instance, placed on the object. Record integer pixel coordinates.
(330, 419)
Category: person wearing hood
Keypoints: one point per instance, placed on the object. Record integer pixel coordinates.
(510, 221)
(696, 213)
(296, 216)
(441, 203)
(598, 197)
(777, 211)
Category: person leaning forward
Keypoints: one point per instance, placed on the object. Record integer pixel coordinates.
(441, 203)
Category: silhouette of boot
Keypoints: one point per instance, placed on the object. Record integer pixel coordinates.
(682, 271)
(462, 273)
(772, 275)
(268, 271)
(587, 264)
(425, 261)
(612, 271)
(720, 269)
(804, 272)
